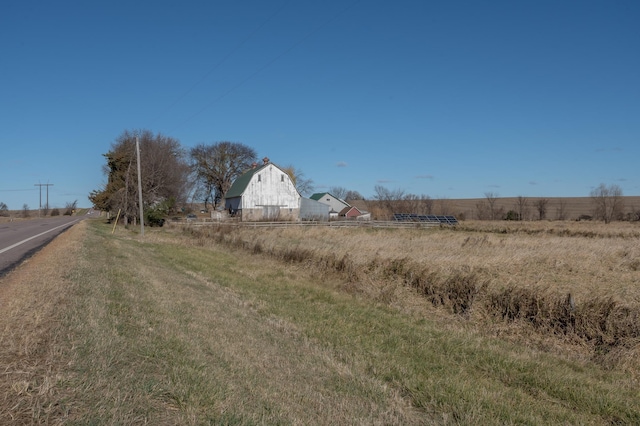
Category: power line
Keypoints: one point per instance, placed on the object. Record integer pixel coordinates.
(41, 185)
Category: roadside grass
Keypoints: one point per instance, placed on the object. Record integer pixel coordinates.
(170, 330)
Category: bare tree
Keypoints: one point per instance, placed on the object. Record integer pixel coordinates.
(25, 210)
(608, 202)
(541, 207)
(491, 197)
(353, 195)
(522, 207)
(427, 204)
(482, 210)
(216, 166)
(70, 208)
(388, 200)
(561, 210)
(345, 194)
(444, 206)
(303, 185)
(338, 192)
(4, 210)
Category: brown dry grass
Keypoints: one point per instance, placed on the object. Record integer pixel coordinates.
(584, 259)
(572, 284)
(31, 299)
(115, 334)
(114, 329)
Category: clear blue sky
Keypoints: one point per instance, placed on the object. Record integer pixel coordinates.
(443, 98)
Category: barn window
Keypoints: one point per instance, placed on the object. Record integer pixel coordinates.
(281, 178)
(259, 178)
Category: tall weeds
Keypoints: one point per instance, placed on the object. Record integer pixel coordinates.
(603, 323)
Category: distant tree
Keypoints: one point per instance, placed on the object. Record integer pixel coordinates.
(4, 210)
(522, 207)
(303, 185)
(164, 172)
(607, 202)
(482, 210)
(512, 215)
(338, 191)
(344, 193)
(541, 207)
(353, 195)
(444, 206)
(25, 211)
(55, 211)
(561, 210)
(70, 208)
(216, 166)
(427, 204)
(417, 204)
(491, 198)
(388, 199)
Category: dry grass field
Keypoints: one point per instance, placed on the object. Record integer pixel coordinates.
(577, 283)
(227, 325)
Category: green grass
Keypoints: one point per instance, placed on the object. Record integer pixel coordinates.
(164, 332)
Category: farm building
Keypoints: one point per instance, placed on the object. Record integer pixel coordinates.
(264, 192)
(267, 193)
(340, 209)
(336, 204)
(313, 210)
(352, 212)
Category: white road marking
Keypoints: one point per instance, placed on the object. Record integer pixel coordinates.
(36, 236)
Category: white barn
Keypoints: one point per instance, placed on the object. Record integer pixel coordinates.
(264, 192)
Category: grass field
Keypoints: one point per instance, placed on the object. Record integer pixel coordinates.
(293, 326)
(569, 282)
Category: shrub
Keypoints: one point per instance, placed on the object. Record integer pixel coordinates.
(511, 215)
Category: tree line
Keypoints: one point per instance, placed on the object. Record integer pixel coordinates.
(607, 205)
(172, 175)
(25, 212)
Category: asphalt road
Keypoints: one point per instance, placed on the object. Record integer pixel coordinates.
(21, 238)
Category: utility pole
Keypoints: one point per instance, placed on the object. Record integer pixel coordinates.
(41, 185)
(140, 188)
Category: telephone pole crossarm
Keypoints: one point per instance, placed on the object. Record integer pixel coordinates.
(41, 185)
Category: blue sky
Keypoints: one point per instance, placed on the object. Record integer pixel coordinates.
(447, 99)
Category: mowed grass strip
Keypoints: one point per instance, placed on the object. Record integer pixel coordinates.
(160, 331)
(155, 342)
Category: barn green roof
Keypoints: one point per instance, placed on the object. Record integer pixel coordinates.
(318, 195)
(240, 184)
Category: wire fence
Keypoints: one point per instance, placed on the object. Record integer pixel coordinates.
(330, 224)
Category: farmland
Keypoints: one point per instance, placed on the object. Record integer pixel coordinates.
(296, 325)
(575, 281)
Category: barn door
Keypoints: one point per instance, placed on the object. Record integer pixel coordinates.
(270, 212)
